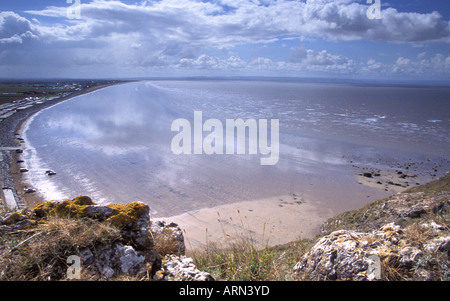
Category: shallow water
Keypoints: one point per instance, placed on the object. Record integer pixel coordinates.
(115, 144)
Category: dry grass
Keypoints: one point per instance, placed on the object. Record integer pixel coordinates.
(165, 243)
(41, 253)
(242, 258)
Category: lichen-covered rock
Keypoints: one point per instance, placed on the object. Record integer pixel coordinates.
(133, 218)
(17, 221)
(75, 208)
(12, 218)
(349, 255)
(133, 215)
(131, 253)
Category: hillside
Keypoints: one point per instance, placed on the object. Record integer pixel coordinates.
(404, 237)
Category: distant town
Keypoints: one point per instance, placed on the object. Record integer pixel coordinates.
(18, 96)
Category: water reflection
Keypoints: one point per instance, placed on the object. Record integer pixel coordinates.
(116, 120)
(114, 144)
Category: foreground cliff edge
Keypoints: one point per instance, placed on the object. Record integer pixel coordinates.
(404, 237)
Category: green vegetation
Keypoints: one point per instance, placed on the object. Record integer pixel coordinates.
(243, 261)
(443, 184)
(11, 91)
(243, 258)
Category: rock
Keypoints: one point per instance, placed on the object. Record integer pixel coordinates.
(349, 255)
(115, 259)
(337, 256)
(99, 212)
(130, 253)
(12, 218)
(25, 224)
(171, 234)
(132, 219)
(129, 259)
(441, 208)
(421, 274)
(181, 268)
(409, 256)
(416, 212)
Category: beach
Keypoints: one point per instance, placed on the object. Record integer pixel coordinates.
(266, 222)
(223, 199)
(11, 129)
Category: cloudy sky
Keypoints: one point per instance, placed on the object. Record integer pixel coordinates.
(409, 39)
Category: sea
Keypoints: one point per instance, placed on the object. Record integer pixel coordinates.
(115, 144)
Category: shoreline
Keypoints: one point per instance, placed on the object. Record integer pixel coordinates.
(12, 128)
(273, 221)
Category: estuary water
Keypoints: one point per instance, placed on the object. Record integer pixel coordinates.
(114, 144)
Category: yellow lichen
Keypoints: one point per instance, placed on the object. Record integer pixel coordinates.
(43, 209)
(75, 208)
(123, 215)
(126, 214)
(82, 201)
(337, 233)
(340, 240)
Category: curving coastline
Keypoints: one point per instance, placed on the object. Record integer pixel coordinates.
(11, 128)
(276, 219)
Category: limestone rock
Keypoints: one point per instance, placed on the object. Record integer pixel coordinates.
(117, 259)
(181, 268)
(131, 253)
(352, 255)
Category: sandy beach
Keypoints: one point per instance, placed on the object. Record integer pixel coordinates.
(265, 222)
(279, 220)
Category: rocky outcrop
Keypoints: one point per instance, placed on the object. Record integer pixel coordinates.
(132, 253)
(351, 255)
(405, 237)
(181, 268)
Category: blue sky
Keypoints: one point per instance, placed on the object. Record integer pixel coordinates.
(309, 38)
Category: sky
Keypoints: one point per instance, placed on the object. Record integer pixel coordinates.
(348, 39)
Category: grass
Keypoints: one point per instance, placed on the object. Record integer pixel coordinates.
(241, 258)
(442, 184)
(40, 253)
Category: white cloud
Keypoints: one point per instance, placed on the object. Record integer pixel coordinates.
(311, 60)
(14, 28)
(210, 23)
(436, 65)
(179, 33)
